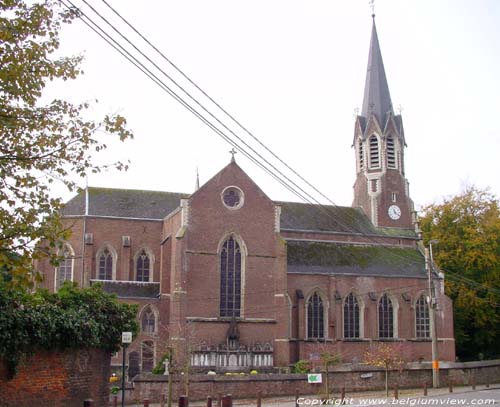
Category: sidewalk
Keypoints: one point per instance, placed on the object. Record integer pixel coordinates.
(289, 401)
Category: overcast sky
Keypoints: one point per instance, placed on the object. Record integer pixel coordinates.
(292, 72)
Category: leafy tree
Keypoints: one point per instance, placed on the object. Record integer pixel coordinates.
(387, 356)
(467, 227)
(329, 359)
(39, 142)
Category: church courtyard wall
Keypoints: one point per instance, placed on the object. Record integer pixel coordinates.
(353, 377)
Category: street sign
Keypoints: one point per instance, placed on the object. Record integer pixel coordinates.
(126, 337)
(314, 378)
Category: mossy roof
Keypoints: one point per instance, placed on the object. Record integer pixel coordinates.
(329, 218)
(337, 258)
(130, 289)
(125, 203)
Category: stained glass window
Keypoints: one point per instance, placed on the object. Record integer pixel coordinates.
(315, 317)
(105, 265)
(143, 264)
(232, 197)
(351, 317)
(385, 318)
(230, 279)
(148, 321)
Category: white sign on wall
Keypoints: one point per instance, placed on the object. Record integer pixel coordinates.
(126, 337)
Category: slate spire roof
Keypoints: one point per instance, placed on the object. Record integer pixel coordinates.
(377, 99)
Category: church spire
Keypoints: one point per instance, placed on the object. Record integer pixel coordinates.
(377, 99)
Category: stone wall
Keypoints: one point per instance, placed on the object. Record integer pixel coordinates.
(57, 379)
(354, 378)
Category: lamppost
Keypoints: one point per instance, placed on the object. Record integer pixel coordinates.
(432, 312)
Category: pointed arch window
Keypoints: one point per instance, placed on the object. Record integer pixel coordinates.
(148, 321)
(391, 153)
(105, 266)
(147, 355)
(374, 152)
(385, 318)
(422, 320)
(143, 267)
(230, 279)
(315, 317)
(64, 272)
(351, 317)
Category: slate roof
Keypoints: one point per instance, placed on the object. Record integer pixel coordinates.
(343, 259)
(377, 99)
(125, 203)
(130, 203)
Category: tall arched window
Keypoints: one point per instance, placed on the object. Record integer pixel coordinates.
(361, 155)
(230, 279)
(148, 321)
(351, 317)
(374, 152)
(147, 355)
(385, 318)
(105, 265)
(64, 272)
(422, 321)
(315, 317)
(143, 265)
(391, 153)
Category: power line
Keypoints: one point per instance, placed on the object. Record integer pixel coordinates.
(224, 136)
(99, 31)
(111, 41)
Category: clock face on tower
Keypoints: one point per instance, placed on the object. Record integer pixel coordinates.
(394, 212)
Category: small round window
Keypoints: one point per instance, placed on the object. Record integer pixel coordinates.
(232, 197)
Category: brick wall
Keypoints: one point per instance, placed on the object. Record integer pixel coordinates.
(57, 379)
(354, 378)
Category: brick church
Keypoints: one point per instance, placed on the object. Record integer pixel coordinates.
(235, 281)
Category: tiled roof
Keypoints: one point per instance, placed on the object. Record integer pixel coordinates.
(335, 258)
(125, 203)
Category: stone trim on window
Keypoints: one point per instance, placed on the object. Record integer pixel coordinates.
(64, 271)
(316, 316)
(144, 265)
(106, 259)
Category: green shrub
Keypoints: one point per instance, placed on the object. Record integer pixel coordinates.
(70, 318)
(301, 366)
(160, 366)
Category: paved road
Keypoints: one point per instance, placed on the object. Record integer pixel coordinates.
(462, 396)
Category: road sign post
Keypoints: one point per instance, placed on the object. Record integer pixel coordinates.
(126, 339)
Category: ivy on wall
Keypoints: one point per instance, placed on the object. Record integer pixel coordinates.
(71, 318)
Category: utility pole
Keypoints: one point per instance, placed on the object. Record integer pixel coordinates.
(432, 316)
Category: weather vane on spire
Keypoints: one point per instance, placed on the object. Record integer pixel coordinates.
(372, 5)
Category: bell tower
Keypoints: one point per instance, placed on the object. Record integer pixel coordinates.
(381, 188)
